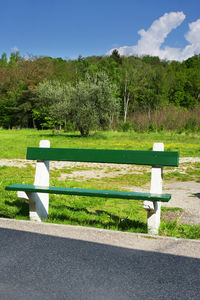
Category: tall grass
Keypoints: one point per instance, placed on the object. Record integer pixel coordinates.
(170, 118)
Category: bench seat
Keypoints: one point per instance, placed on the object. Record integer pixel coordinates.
(87, 192)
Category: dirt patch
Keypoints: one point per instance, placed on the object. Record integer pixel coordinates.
(20, 163)
(185, 195)
(102, 172)
(181, 217)
(63, 164)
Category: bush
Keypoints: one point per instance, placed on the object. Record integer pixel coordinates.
(69, 126)
(192, 124)
(125, 127)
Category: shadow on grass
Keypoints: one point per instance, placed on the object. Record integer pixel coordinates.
(61, 134)
(95, 135)
(114, 222)
(22, 207)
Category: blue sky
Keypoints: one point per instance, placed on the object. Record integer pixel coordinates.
(67, 29)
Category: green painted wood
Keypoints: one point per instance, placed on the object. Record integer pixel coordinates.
(151, 158)
(90, 193)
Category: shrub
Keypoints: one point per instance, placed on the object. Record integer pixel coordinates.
(125, 127)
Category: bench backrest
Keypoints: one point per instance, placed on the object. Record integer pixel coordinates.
(151, 158)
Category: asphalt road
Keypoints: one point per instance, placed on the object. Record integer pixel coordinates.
(38, 266)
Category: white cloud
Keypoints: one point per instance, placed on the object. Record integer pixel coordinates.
(15, 49)
(193, 37)
(151, 40)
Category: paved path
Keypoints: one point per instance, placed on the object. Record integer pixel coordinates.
(48, 261)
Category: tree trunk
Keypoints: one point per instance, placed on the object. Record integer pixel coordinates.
(126, 102)
(34, 126)
(84, 132)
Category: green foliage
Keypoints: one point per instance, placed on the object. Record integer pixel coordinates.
(50, 123)
(192, 124)
(94, 103)
(125, 127)
(88, 105)
(55, 96)
(116, 56)
(54, 104)
(3, 60)
(69, 126)
(46, 85)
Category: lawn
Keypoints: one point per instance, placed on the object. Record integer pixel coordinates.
(13, 143)
(112, 214)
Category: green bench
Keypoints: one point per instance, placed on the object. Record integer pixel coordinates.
(38, 194)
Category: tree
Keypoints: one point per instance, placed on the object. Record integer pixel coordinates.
(128, 84)
(53, 100)
(94, 103)
(146, 84)
(3, 60)
(14, 58)
(116, 56)
(90, 104)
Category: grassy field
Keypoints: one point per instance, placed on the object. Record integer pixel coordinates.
(13, 143)
(112, 214)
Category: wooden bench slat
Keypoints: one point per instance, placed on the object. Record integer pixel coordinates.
(87, 192)
(151, 158)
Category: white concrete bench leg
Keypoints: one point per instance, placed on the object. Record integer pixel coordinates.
(154, 208)
(39, 202)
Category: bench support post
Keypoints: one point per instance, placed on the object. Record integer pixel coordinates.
(154, 208)
(39, 202)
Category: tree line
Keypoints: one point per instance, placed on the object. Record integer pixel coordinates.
(92, 92)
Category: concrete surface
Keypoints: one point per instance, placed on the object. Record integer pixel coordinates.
(48, 261)
(185, 247)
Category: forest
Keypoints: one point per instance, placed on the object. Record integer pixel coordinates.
(99, 92)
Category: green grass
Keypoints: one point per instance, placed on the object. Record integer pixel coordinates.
(13, 143)
(10, 206)
(101, 213)
(170, 209)
(186, 172)
(112, 214)
(175, 229)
